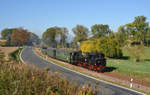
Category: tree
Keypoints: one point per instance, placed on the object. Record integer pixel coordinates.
(63, 33)
(121, 35)
(141, 27)
(147, 42)
(55, 36)
(49, 36)
(88, 46)
(100, 30)
(138, 29)
(33, 39)
(81, 34)
(110, 47)
(106, 45)
(19, 36)
(6, 35)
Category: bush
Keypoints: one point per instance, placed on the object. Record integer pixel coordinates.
(109, 47)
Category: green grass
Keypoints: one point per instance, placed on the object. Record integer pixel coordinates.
(130, 67)
(127, 66)
(145, 56)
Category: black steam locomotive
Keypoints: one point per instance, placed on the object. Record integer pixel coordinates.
(93, 61)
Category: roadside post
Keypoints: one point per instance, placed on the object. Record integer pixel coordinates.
(131, 83)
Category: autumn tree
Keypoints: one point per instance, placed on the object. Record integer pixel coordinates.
(19, 36)
(100, 30)
(88, 46)
(106, 45)
(81, 34)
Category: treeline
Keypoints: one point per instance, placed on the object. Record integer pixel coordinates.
(100, 38)
(19, 37)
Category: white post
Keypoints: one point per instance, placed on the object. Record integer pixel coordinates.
(131, 83)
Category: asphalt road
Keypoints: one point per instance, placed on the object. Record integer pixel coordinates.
(104, 88)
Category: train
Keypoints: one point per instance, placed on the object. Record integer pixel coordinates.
(94, 61)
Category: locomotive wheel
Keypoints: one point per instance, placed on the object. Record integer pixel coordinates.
(91, 67)
(84, 65)
(79, 64)
(101, 69)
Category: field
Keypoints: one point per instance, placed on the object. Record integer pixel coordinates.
(127, 67)
(7, 50)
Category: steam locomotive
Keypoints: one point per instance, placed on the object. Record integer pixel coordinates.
(93, 61)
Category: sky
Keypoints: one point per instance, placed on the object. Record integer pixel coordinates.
(38, 15)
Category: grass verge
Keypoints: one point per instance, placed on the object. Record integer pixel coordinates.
(15, 54)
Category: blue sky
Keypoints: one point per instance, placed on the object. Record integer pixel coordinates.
(38, 15)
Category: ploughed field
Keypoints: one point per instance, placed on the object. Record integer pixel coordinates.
(7, 50)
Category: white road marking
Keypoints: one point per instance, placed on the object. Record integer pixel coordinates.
(21, 57)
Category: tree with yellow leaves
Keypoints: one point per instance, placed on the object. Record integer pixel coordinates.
(105, 45)
(88, 46)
